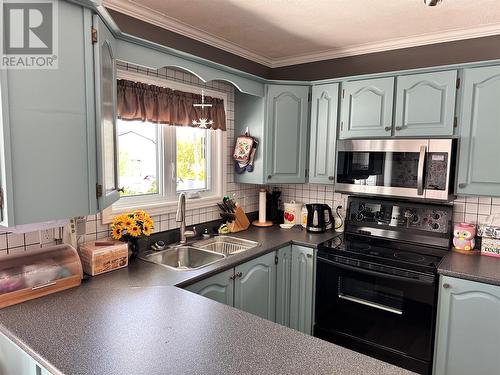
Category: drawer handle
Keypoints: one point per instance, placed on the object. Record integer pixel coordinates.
(446, 286)
(41, 286)
(387, 128)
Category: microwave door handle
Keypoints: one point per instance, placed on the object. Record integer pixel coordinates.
(420, 175)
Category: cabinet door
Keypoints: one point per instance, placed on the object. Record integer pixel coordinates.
(324, 108)
(105, 96)
(467, 323)
(283, 284)
(14, 361)
(478, 167)
(255, 287)
(425, 104)
(219, 287)
(287, 108)
(367, 108)
(301, 302)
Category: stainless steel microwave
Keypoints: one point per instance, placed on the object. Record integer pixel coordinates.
(406, 168)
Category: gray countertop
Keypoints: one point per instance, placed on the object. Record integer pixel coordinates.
(479, 268)
(133, 321)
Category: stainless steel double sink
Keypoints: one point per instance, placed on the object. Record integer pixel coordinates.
(199, 254)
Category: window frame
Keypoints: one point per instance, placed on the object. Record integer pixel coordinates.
(158, 204)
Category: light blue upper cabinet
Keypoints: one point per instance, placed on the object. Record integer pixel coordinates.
(425, 104)
(286, 143)
(218, 287)
(301, 301)
(255, 287)
(105, 97)
(467, 322)
(367, 108)
(479, 129)
(46, 122)
(324, 109)
(283, 284)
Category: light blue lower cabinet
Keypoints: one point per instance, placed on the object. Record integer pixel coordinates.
(302, 285)
(14, 361)
(255, 287)
(219, 287)
(283, 285)
(468, 328)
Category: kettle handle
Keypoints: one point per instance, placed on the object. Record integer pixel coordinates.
(330, 215)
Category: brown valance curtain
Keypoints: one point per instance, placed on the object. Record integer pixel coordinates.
(143, 102)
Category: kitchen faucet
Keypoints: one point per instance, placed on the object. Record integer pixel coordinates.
(180, 217)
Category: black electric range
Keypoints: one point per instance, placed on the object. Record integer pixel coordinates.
(376, 286)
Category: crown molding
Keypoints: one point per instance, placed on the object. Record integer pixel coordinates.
(162, 20)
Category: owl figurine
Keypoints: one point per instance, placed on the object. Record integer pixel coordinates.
(463, 236)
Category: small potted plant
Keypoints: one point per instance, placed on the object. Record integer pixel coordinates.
(130, 227)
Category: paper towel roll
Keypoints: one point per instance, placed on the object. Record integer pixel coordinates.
(262, 205)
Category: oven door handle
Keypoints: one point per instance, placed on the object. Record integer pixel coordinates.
(375, 305)
(420, 175)
(375, 273)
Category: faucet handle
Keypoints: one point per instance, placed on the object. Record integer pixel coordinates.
(191, 233)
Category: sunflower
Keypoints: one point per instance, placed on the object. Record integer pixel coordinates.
(146, 229)
(134, 230)
(139, 215)
(116, 232)
(120, 219)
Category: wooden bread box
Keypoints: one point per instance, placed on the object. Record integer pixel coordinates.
(37, 273)
(103, 256)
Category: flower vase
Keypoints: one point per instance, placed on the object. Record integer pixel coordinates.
(132, 249)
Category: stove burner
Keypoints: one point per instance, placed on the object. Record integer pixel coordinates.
(359, 246)
(410, 257)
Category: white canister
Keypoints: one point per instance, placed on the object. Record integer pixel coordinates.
(292, 213)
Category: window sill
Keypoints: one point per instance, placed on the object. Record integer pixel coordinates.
(157, 207)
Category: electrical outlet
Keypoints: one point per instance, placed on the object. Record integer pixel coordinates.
(46, 236)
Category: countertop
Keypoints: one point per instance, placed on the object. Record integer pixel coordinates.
(134, 321)
(481, 268)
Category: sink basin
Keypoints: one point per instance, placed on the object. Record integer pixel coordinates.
(184, 258)
(226, 244)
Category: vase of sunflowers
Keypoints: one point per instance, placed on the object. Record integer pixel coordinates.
(130, 227)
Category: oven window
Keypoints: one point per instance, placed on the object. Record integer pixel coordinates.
(378, 296)
(391, 169)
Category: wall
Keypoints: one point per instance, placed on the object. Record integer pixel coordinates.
(473, 210)
(246, 194)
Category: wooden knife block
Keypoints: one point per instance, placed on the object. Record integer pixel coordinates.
(240, 222)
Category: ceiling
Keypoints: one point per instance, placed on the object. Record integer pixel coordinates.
(285, 32)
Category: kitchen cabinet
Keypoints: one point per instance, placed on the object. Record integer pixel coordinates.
(366, 108)
(323, 133)
(279, 122)
(283, 285)
(219, 287)
(302, 285)
(468, 333)
(287, 113)
(255, 286)
(105, 96)
(425, 104)
(48, 133)
(13, 360)
(479, 129)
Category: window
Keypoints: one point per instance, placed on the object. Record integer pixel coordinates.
(157, 162)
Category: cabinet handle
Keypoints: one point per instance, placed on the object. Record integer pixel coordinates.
(446, 286)
(399, 127)
(387, 128)
(269, 177)
(462, 185)
(309, 255)
(121, 190)
(330, 178)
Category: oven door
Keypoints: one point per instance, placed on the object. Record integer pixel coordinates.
(409, 168)
(392, 314)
